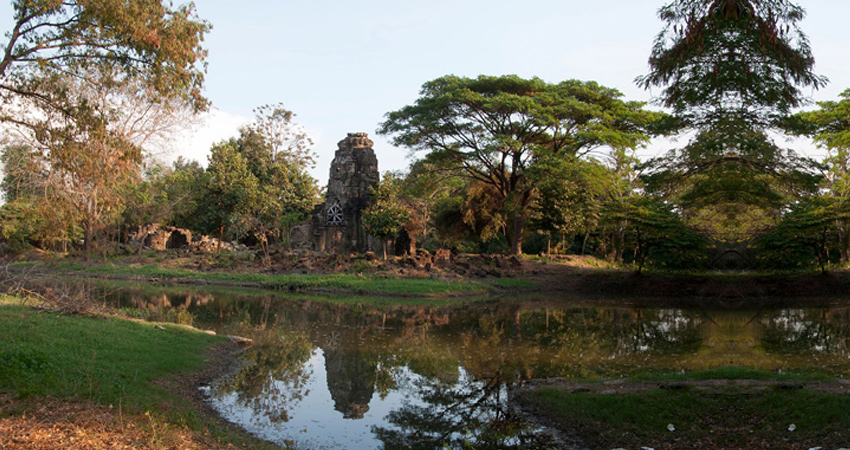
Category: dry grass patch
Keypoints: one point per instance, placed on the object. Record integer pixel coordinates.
(45, 423)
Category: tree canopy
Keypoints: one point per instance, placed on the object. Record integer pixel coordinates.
(149, 40)
(493, 129)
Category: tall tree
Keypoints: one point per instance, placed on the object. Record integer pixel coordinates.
(146, 39)
(86, 150)
(829, 126)
(286, 141)
(493, 129)
(732, 70)
(731, 60)
(233, 190)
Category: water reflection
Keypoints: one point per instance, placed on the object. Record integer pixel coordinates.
(323, 375)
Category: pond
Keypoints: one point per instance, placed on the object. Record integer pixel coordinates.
(324, 375)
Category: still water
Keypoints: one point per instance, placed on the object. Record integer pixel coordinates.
(336, 376)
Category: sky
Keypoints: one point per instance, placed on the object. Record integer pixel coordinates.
(342, 65)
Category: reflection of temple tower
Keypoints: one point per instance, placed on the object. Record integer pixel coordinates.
(337, 224)
(351, 381)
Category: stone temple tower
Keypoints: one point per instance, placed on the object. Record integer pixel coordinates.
(337, 224)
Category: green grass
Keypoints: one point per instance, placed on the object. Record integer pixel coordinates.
(643, 417)
(733, 373)
(294, 282)
(236, 291)
(109, 361)
(722, 417)
(514, 283)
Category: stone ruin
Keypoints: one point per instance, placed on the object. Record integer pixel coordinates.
(156, 237)
(337, 225)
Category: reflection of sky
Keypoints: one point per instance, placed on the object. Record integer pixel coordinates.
(314, 424)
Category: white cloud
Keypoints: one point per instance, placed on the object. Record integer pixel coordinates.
(215, 125)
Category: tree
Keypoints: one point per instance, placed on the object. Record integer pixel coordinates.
(287, 141)
(268, 190)
(719, 59)
(493, 129)
(233, 189)
(143, 39)
(731, 71)
(85, 152)
(385, 215)
(829, 126)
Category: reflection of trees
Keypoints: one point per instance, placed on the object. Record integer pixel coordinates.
(273, 377)
(465, 414)
(798, 331)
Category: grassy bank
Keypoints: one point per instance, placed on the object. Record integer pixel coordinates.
(113, 363)
(353, 283)
(770, 413)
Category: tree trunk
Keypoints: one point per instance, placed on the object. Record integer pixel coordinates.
(584, 243)
(516, 235)
(843, 242)
(384, 241)
(142, 244)
(87, 238)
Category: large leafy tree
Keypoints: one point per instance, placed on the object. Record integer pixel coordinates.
(150, 40)
(84, 153)
(728, 60)
(732, 70)
(233, 191)
(493, 129)
(829, 125)
(88, 85)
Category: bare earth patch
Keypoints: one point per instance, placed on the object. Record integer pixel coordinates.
(51, 424)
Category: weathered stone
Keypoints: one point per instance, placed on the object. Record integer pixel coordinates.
(442, 255)
(178, 238)
(158, 239)
(404, 244)
(353, 175)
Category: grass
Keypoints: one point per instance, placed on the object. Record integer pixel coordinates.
(642, 418)
(292, 282)
(724, 417)
(108, 361)
(733, 373)
(95, 360)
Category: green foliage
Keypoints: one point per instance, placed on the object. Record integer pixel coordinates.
(233, 190)
(657, 235)
(154, 41)
(257, 184)
(732, 71)
(806, 235)
(493, 129)
(385, 215)
(718, 59)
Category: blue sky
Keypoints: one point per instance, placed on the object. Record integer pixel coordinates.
(341, 65)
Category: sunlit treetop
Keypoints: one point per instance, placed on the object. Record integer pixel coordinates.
(714, 58)
(145, 39)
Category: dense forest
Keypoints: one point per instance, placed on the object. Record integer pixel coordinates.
(503, 164)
